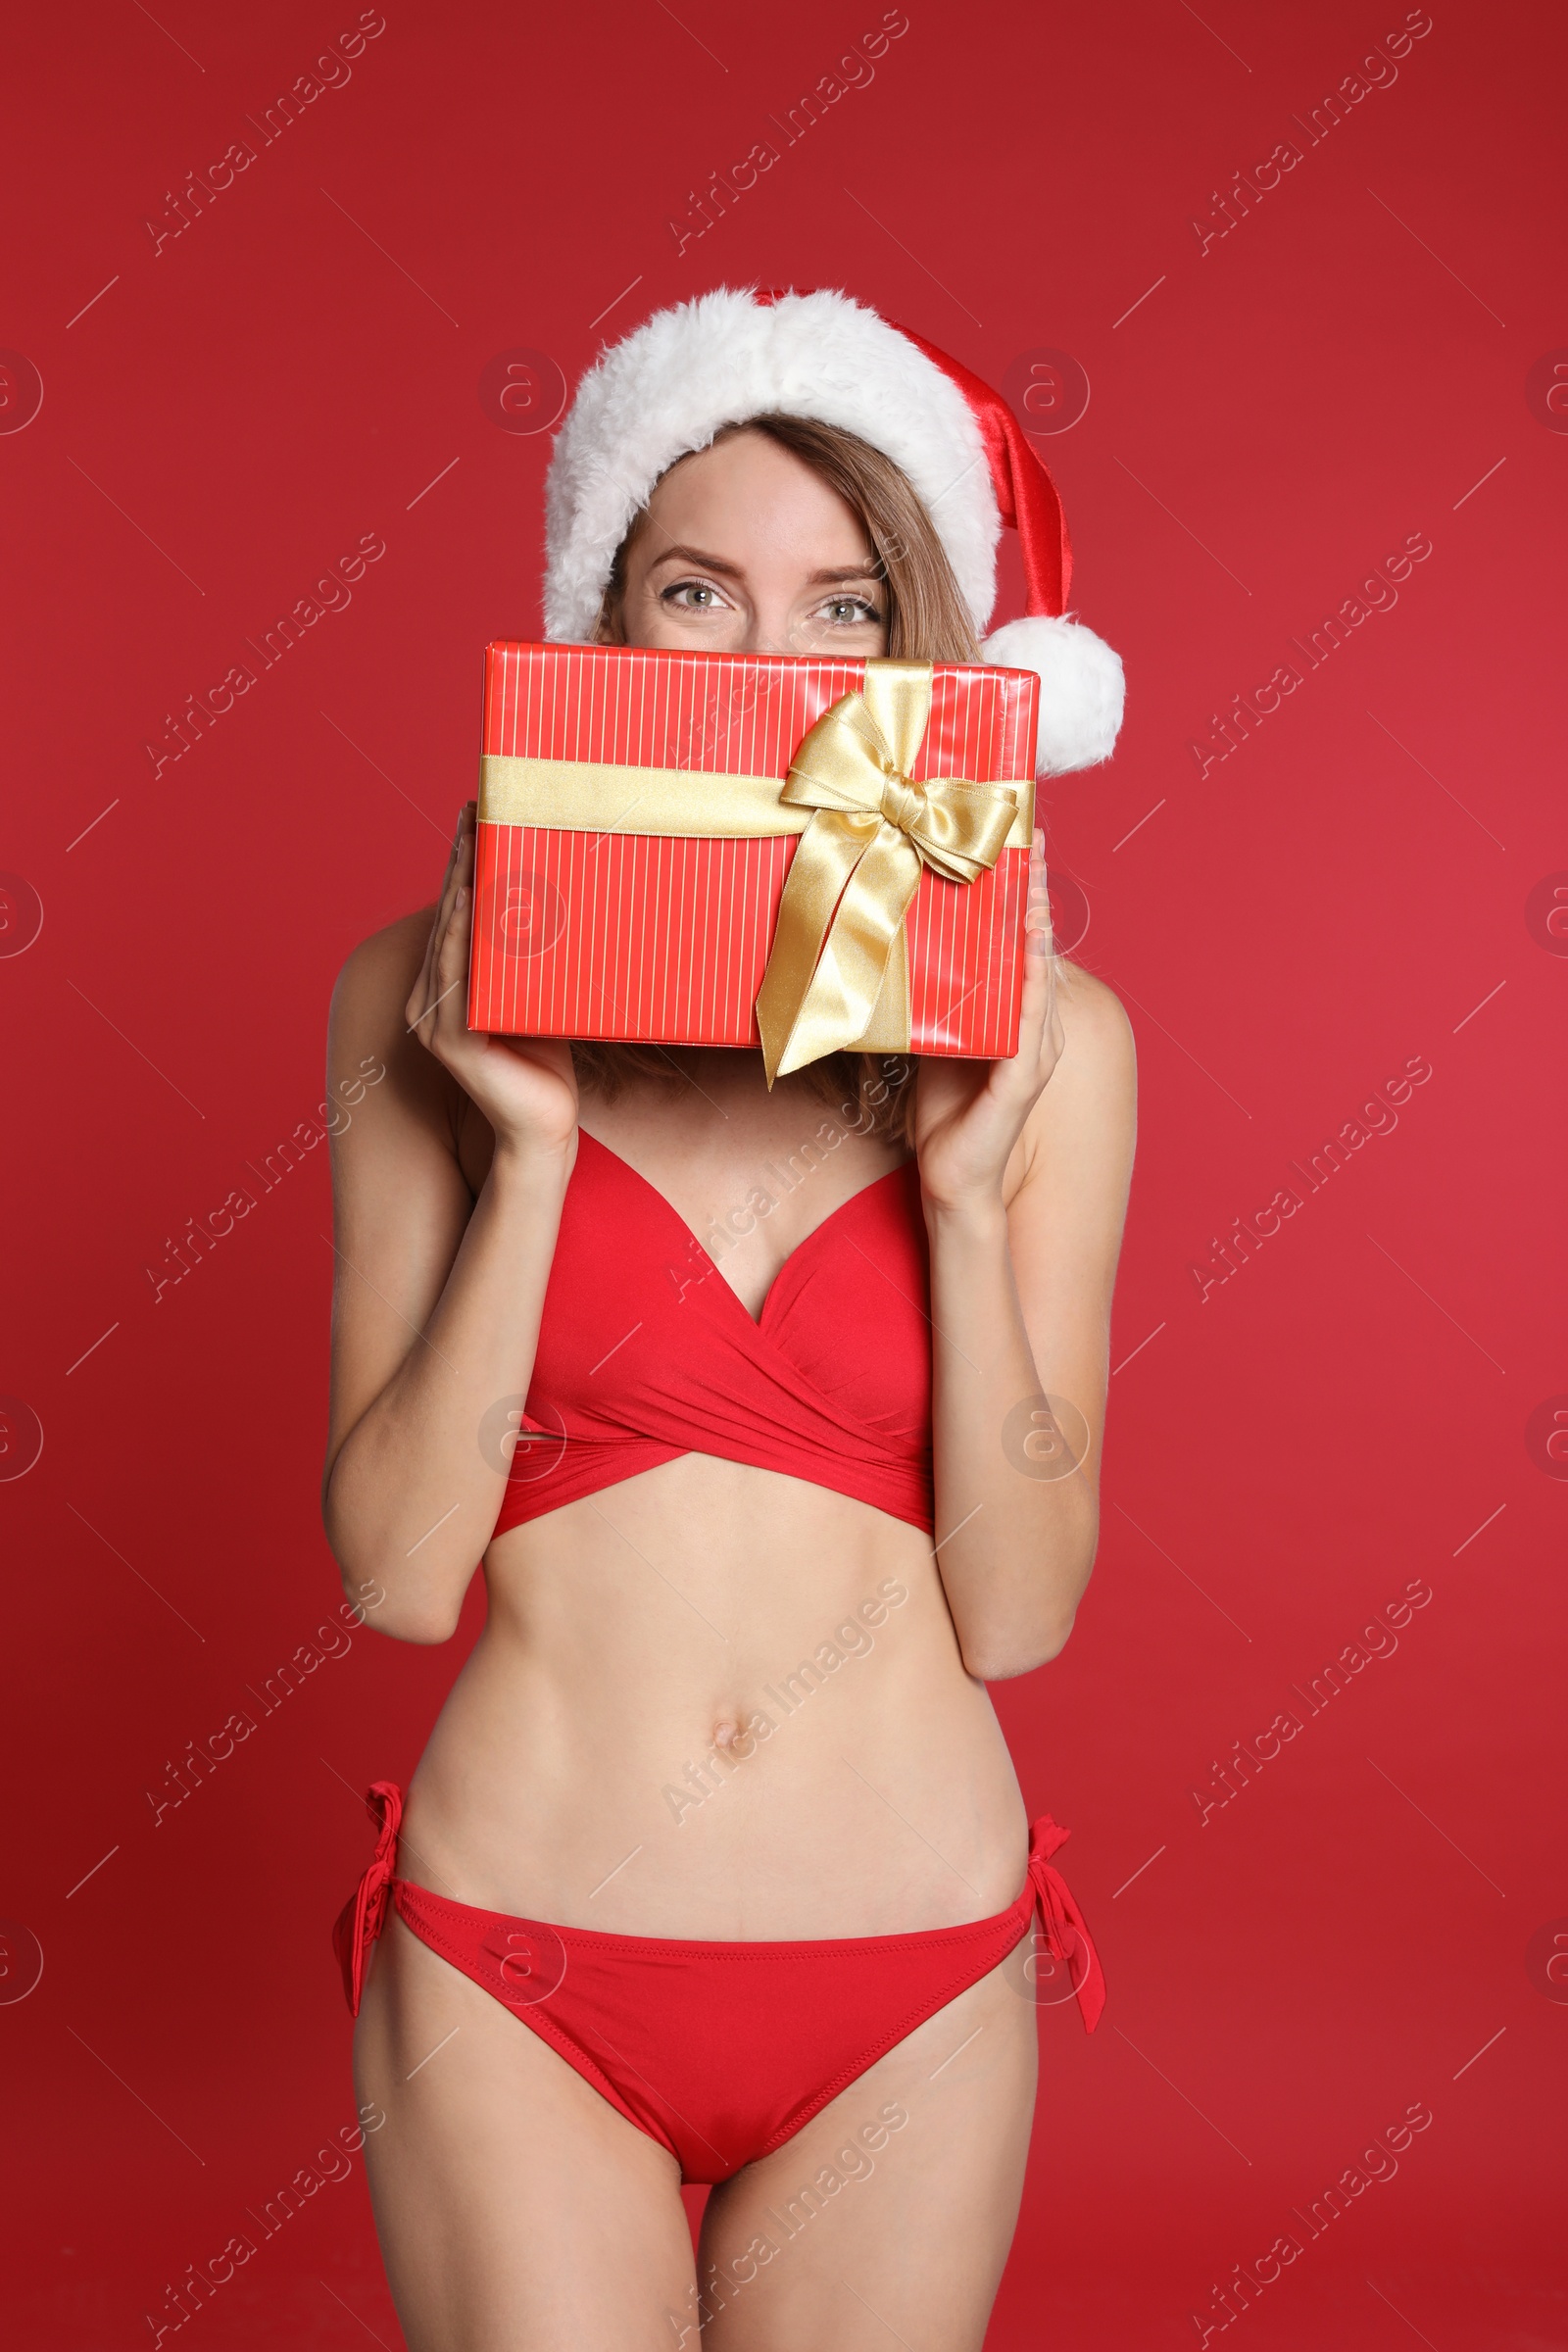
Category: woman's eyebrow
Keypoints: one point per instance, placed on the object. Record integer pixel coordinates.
(695, 554)
(734, 571)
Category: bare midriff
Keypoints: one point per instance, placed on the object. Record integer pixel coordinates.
(719, 1703)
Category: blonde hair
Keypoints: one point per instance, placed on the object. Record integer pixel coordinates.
(927, 621)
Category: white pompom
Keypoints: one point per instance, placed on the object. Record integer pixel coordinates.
(1082, 688)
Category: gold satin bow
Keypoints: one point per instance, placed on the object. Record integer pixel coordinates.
(838, 975)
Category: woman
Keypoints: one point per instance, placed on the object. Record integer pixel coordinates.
(726, 1730)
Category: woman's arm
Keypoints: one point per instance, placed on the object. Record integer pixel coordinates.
(1020, 1305)
(437, 1299)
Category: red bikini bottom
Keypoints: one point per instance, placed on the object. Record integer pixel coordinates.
(721, 2051)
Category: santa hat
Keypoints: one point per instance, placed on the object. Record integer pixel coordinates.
(734, 354)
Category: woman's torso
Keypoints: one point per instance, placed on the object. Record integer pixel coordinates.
(712, 1699)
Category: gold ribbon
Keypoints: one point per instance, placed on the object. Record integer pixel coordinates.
(838, 973)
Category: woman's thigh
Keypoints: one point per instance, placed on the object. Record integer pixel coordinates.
(518, 2211)
(888, 2218)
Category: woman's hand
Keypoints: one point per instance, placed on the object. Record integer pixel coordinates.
(525, 1085)
(969, 1114)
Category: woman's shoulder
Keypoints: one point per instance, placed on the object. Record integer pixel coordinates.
(388, 963)
(373, 988)
(370, 1002)
(1093, 1019)
(1085, 1115)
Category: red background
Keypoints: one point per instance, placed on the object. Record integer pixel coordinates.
(1343, 892)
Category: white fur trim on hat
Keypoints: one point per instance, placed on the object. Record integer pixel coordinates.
(1082, 688)
(720, 358)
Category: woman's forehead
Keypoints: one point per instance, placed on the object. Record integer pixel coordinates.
(750, 484)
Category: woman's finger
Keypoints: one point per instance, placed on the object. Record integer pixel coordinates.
(450, 888)
(452, 958)
(1039, 928)
(419, 993)
(1036, 914)
(451, 963)
(1036, 1007)
(1038, 1043)
(423, 1003)
(1038, 943)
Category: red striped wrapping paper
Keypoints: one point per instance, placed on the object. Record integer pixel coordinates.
(638, 937)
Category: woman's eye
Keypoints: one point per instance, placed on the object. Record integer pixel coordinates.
(692, 595)
(852, 612)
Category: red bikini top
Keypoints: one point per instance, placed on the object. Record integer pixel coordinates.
(644, 1351)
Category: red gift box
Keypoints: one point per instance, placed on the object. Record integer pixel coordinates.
(634, 847)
